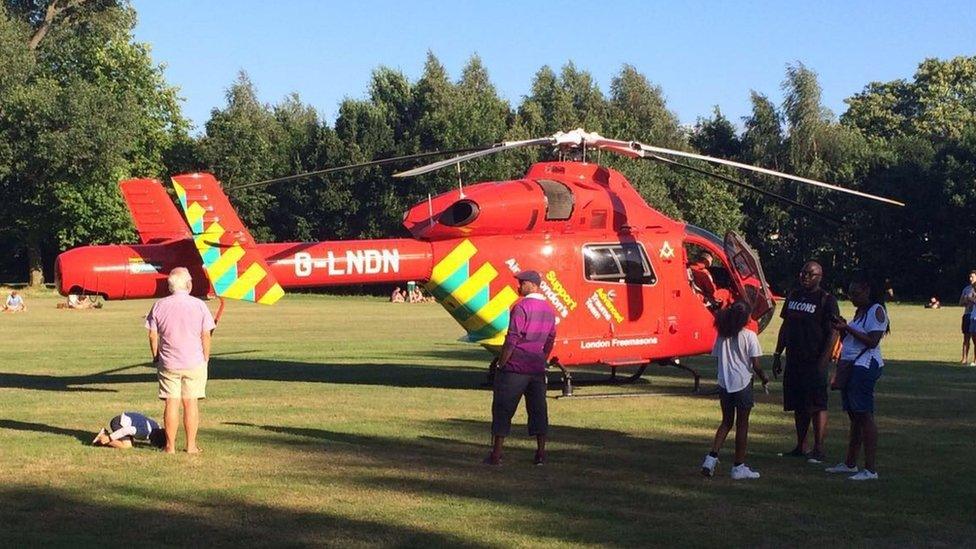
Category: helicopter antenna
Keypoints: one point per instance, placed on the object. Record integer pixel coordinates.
(376, 162)
(460, 184)
(499, 147)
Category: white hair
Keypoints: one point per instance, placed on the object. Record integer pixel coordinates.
(179, 279)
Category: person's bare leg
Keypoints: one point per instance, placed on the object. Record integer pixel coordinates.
(540, 447)
(869, 432)
(819, 430)
(801, 418)
(171, 422)
(966, 338)
(853, 441)
(191, 422)
(728, 419)
(741, 434)
(495, 457)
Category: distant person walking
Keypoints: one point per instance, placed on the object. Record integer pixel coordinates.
(522, 368)
(968, 300)
(862, 339)
(808, 338)
(737, 350)
(179, 340)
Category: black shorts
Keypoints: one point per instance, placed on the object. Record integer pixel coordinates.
(965, 323)
(804, 388)
(740, 399)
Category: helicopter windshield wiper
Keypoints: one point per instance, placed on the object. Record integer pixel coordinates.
(745, 185)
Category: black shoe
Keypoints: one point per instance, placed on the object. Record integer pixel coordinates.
(815, 457)
(794, 453)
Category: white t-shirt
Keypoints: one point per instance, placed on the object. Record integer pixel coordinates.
(735, 356)
(875, 320)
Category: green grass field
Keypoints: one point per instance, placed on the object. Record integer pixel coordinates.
(351, 421)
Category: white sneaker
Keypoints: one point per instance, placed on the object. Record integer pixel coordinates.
(708, 466)
(864, 475)
(743, 471)
(841, 468)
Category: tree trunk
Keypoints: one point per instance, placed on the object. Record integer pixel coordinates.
(35, 266)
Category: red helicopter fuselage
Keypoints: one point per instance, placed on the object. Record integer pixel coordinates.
(614, 269)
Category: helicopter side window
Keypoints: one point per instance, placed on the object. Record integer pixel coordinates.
(559, 200)
(624, 262)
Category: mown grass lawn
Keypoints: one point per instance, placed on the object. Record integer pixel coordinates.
(351, 421)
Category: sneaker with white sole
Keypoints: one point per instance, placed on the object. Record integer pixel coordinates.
(708, 466)
(864, 475)
(740, 472)
(841, 468)
(816, 457)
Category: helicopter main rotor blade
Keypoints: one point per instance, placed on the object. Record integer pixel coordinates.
(497, 148)
(377, 162)
(635, 149)
(764, 192)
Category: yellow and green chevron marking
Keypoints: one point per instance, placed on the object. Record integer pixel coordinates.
(235, 272)
(466, 295)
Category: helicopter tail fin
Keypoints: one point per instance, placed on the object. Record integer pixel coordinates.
(235, 267)
(152, 211)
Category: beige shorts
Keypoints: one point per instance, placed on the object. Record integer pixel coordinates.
(183, 383)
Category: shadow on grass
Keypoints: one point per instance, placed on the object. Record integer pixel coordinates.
(83, 437)
(45, 516)
(601, 486)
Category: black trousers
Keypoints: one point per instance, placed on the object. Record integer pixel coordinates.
(509, 388)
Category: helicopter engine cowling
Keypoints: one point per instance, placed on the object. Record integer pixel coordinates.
(488, 209)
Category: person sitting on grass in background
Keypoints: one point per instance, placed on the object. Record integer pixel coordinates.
(737, 350)
(128, 428)
(15, 303)
(398, 296)
(416, 296)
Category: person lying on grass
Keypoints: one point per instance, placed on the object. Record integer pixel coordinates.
(128, 428)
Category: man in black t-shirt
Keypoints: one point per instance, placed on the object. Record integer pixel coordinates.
(809, 338)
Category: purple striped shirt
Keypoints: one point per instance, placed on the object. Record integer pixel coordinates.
(531, 333)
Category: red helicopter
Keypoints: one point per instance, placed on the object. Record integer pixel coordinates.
(615, 270)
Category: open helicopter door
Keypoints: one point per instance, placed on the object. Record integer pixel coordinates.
(749, 277)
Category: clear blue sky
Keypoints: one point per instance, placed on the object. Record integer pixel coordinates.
(700, 53)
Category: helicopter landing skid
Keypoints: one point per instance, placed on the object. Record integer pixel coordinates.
(613, 380)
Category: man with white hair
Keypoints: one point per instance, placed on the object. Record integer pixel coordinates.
(179, 339)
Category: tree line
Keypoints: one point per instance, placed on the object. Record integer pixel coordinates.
(82, 105)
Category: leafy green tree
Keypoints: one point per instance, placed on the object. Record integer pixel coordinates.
(83, 106)
(716, 136)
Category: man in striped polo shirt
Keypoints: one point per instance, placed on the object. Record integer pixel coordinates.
(522, 367)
